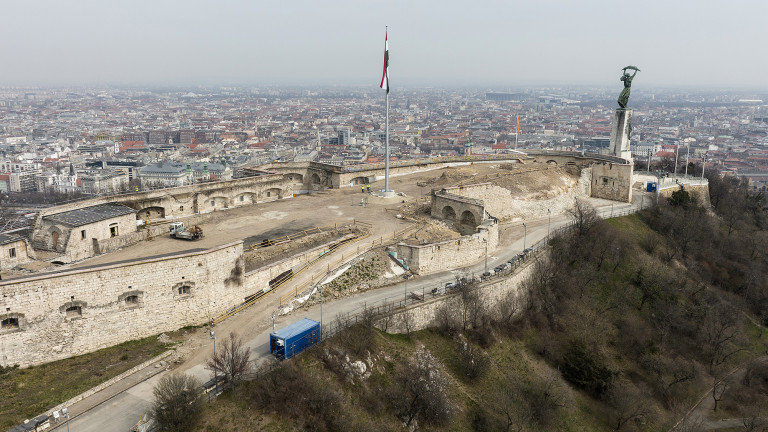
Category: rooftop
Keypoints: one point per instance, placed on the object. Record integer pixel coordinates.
(89, 215)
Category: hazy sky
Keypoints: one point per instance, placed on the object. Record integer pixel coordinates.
(436, 42)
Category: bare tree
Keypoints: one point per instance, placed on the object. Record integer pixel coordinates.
(473, 361)
(178, 404)
(718, 390)
(422, 390)
(472, 310)
(721, 334)
(583, 216)
(233, 360)
(628, 403)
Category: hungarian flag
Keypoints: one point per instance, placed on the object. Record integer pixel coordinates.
(385, 74)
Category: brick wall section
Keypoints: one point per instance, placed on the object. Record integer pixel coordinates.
(47, 332)
(436, 257)
(612, 181)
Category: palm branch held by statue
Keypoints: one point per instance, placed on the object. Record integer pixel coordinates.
(627, 78)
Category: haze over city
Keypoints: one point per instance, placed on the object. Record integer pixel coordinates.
(704, 44)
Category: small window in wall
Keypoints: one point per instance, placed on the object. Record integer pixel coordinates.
(185, 290)
(213, 203)
(82, 234)
(132, 300)
(242, 198)
(605, 180)
(269, 193)
(9, 323)
(74, 311)
(12, 252)
(181, 208)
(113, 232)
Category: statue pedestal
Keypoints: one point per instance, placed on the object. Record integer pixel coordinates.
(620, 134)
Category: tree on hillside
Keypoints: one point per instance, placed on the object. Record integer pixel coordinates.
(721, 334)
(583, 216)
(178, 404)
(421, 392)
(233, 360)
(628, 403)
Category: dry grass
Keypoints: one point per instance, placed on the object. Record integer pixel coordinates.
(27, 392)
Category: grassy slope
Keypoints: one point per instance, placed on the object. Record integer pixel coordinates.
(28, 392)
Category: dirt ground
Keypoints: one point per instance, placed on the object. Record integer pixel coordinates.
(259, 256)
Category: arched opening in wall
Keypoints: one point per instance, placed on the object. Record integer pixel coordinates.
(467, 218)
(54, 240)
(360, 180)
(296, 178)
(245, 198)
(74, 311)
(219, 202)
(315, 179)
(148, 213)
(449, 213)
(273, 193)
(551, 162)
(9, 323)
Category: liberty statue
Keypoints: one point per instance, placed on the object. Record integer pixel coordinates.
(627, 78)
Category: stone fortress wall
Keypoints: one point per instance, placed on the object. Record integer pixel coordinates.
(74, 312)
(168, 293)
(63, 314)
(449, 254)
(422, 315)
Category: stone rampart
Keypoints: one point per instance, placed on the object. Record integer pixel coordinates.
(436, 257)
(422, 315)
(612, 181)
(75, 312)
(699, 191)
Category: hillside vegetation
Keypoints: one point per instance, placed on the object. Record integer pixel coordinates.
(628, 324)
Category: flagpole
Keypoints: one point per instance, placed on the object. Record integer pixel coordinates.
(386, 150)
(386, 136)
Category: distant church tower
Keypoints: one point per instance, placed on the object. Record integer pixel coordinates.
(468, 146)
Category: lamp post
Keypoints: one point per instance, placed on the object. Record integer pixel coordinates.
(677, 150)
(549, 223)
(273, 323)
(215, 369)
(703, 165)
(687, 155)
(405, 293)
(525, 234)
(320, 290)
(65, 414)
(486, 256)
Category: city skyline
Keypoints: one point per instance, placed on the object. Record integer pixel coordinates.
(496, 44)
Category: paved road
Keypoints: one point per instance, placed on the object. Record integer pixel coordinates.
(120, 413)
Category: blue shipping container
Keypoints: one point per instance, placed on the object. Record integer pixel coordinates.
(289, 341)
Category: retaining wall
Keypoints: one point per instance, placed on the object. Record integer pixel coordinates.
(79, 311)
